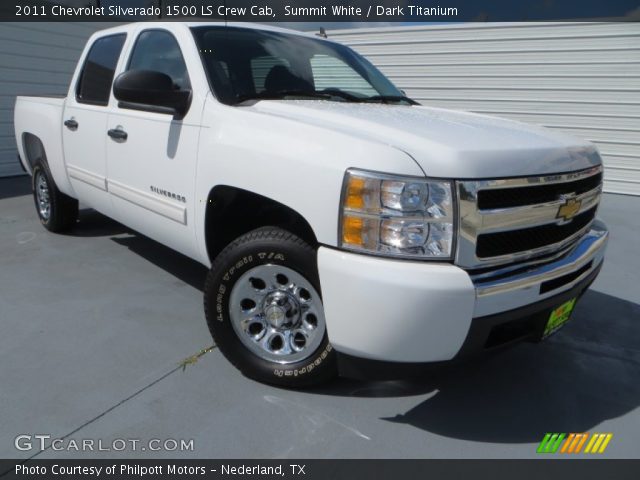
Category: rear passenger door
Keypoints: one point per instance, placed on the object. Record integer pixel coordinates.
(152, 171)
(85, 122)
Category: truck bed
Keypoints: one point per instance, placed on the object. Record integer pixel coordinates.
(40, 116)
(42, 99)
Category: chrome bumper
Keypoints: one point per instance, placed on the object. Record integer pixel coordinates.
(501, 290)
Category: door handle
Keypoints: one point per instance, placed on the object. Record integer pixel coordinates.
(71, 124)
(117, 134)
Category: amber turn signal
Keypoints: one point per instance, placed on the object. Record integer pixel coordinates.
(352, 230)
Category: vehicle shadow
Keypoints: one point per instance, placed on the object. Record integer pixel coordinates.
(15, 186)
(584, 375)
(187, 270)
(94, 224)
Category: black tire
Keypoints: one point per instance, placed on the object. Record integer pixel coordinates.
(63, 209)
(264, 246)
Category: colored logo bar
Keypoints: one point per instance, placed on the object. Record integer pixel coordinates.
(574, 443)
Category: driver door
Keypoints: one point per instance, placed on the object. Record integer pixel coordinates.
(152, 156)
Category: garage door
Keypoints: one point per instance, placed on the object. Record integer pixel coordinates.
(581, 78)
(35, 59)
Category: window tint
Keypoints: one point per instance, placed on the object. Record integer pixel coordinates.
(158, 50)
(97, 73)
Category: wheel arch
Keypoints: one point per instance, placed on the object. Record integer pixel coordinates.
(33, 149)
(34, 152)
(232, 212)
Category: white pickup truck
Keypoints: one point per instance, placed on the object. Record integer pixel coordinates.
(347, 228)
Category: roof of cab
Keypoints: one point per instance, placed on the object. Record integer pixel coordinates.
(173, 25)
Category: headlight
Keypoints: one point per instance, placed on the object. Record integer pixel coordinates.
(397, 216)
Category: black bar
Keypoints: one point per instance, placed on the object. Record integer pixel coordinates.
(321, 10)
(546, 469)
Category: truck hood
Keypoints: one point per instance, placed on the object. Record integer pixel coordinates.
(445, 143)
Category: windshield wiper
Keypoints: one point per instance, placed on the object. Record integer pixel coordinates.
(390, 98)
(325, 94)
(336, 92)
(280, 94)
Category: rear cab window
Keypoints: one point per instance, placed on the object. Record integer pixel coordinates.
(96, 77)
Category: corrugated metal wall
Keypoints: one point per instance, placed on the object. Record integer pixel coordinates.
(35, 59)
(582, 78)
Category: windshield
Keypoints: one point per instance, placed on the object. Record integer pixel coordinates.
(244, 64)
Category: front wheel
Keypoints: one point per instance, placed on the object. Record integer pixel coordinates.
(264, 309)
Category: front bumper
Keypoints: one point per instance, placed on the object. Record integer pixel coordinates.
(423, 312)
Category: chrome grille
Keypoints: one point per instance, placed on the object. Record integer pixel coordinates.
(510, 220)
(513, 241)
(513, 197)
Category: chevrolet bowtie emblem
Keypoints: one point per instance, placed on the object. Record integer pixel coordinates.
(569, 209)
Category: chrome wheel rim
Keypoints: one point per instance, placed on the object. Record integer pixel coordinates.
(42, 196)
(277, 314)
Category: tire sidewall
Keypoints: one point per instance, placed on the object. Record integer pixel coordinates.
(40, 170)
(228, 268)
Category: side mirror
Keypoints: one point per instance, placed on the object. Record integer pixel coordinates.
(149, 90)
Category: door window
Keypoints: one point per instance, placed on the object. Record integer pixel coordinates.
(158, 50)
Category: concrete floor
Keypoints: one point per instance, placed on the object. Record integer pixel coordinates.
(94, 324)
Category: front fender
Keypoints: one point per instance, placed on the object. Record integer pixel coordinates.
(298, 165)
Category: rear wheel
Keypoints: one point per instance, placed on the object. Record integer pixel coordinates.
(265, 312)
(57, 212)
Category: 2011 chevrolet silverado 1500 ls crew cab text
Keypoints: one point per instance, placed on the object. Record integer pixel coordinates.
(345, 225)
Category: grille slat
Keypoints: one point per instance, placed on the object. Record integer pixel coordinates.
(530, 195)
(504, 243)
